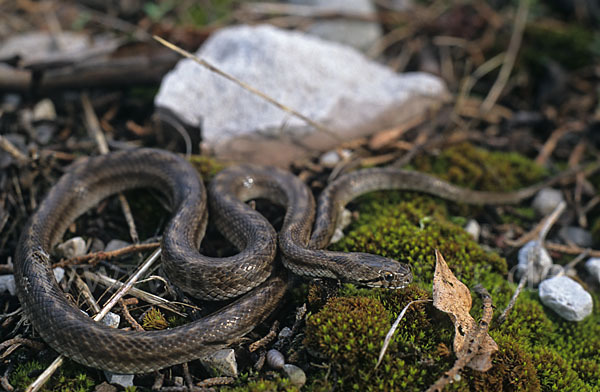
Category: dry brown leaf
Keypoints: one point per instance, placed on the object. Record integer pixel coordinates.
(454, 298)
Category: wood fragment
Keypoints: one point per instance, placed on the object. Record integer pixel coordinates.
(268, 338)
(125, 311)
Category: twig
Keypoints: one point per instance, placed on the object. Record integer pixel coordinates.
(474, 338)
(509, 59)
(265, 339)
(96, 256)
(141, 294)
(129, 317)
(246, 86)
(10, 148)
(94, 128)
(532, 255)
(552, 141)
(211, 382)
(571, 249)
(390, 334)
(43, 378)
(86, 292)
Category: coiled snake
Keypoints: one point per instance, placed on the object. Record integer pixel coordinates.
(250, 273)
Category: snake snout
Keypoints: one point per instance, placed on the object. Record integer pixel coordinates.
(384, 272)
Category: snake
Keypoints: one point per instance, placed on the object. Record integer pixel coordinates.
(250, 281)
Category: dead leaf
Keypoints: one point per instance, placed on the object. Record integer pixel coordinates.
(454, 298)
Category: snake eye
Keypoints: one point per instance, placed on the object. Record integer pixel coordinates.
(388, 276)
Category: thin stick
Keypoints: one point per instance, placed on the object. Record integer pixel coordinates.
(246, 86)
(45, 376)
(509, 59)
(93, 126)
(91, 257)
(10, 148)
(390, 334)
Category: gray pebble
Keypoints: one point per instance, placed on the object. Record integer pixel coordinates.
(295, 374)
(112, 320)
(115, 245)
(566, 297)
(576, 235)
(275, 359)
(285, 332)
(221, 363)
(539, 267)
(73, 247)
(593, 267)
(547, 200)
(7, 283)
(124, 380)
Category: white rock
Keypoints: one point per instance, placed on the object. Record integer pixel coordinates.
(115, 245)
(295, 374)
(359, 34)
(547, 200)
(332, 158)
(473, 228)
(124, 380)
(222, 363)
(566, 297)
(59, 273)
(7, 283)
(73, 247)
(539, 267)
(593, 267)
(44, 110)
(112, 320)
(331, 84)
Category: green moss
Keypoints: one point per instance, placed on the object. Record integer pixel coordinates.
(69, 378)
(154, 319)
(572, 45)
(207, 166)
(476, 168)
(273, 384)
(538, 351)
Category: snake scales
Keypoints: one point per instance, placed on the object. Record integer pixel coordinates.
(250, 273)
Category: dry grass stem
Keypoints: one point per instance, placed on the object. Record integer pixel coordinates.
(141, 294)
(14, 152)
(390, 334)
(509, 58)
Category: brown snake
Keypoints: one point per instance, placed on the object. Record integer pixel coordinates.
(249, 273)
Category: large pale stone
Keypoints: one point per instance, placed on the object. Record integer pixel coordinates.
(566, 297)
(332, 84)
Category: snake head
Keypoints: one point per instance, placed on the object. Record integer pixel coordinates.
(379, 271)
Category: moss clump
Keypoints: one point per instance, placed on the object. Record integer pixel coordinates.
(409, 228)
(476, 168)
(274, 384)
(69, 378)
(154, 319)
(207, 166)
(537, 350)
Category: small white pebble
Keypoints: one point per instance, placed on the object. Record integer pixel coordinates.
(112, 320)
(115, 245)
(285, 332)
(538, 268)
(473, 228)
(593, 267)
(73, 247)
(547, 200)
(7, 283)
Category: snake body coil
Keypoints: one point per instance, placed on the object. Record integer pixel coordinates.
(249, 273)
